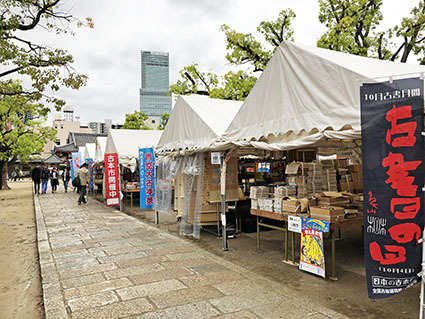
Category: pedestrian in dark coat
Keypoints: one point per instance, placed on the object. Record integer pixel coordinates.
(65, 178)
(36, 178)
(54, 179)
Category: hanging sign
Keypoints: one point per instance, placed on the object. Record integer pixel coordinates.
(75, 164)
(112, 180)
(392, 115)
(89, 162)
(147, 177)
(215, 158)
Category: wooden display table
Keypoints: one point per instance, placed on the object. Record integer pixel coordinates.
(129, 193)
(340, 224)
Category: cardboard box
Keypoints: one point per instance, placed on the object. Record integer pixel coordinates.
(328, 213)
(291, 206)
(333, 199)
(355, 168)
(347, 187)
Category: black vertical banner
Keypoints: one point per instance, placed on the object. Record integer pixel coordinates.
(392, 115)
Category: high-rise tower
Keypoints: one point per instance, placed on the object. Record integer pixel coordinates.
(154, 100)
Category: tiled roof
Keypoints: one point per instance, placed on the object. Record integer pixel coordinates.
(53, 159)
(67, 148)
(81, 139)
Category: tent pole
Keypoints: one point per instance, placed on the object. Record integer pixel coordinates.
(223, 199)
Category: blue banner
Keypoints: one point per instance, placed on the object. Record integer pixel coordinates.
(147, 177)
(76, 163)
(89, 162)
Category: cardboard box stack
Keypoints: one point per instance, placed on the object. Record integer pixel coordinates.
(328, 213)
(314, 178)
(291, 206)
(333, 199)
(357, 177)
(345, 182)
(329, 176)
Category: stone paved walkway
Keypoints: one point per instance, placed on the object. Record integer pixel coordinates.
(99, 263)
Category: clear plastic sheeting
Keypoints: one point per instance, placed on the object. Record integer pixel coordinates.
(193, 173)
(166, 171)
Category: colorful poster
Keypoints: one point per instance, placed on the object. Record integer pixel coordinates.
(76, 163)
(147, 177)
(312, 254)
(392, 115)
(89, 162)
(112, 180)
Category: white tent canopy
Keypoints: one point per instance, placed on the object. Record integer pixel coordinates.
(195, 123)
(100, 148)
(89, 151)
(307, 95)
(126, 144)
(81, 150)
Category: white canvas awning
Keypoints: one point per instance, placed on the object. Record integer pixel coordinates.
(195, 123)
(308, 95)
(81, 150)
(126, 144)
(100, 149)
(89, 151)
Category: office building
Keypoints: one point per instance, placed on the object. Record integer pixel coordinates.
(154, 100)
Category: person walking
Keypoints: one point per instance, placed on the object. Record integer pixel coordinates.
(83, 174)
(65, 178)
(21, 174)
(44, 179)
(36, 178)
(14, 176)
(54, 179)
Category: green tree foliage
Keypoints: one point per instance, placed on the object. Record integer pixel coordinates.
(164, 121)
(243, 49)
(353, 27)
(135, 121)
(21, 134)
(41, 70)
(231, 86)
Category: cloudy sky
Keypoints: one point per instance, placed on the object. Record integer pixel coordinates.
(188, 29)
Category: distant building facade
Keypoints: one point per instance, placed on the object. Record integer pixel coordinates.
(103, 127)
(155, 83)
(64, 124)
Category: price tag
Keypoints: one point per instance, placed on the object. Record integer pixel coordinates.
(294, 224)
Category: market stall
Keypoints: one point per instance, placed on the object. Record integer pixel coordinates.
(308, 101)
(185, 159)
(126, 143)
